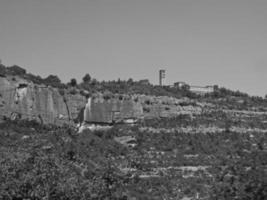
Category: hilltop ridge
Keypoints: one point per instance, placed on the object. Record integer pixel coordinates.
(51, 101)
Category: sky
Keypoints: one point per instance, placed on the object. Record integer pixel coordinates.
(201, 42)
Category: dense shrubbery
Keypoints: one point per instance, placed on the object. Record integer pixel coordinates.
(223, 92)
(238, 160)
(13, 70)
(48, 162)
(240, 175)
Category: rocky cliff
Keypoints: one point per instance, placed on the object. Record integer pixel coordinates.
(116, 109)
(163, 106)
(23, 99)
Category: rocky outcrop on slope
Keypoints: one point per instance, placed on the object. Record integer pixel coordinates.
(120, 107)
(163, 106)
(23, 99)
(117, 108)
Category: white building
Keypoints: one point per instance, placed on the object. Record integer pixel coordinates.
(201, 90)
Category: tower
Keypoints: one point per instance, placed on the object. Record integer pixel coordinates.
(161, 76)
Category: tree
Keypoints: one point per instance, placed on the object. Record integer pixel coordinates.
(16, 70)
(87, 78)
(94, 81)
(130, 81)
(53, 80)
(73, 82)
(2, 70)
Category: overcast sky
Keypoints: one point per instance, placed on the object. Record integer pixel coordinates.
(201, 42)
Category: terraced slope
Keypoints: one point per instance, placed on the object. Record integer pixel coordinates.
(174, 158)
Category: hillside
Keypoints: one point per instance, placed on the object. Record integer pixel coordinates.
(186, 146)
(50, 101)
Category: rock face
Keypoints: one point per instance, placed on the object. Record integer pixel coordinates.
(30, 101)
(21, 98)
(100, 110)
(167, 106)
(120, 108)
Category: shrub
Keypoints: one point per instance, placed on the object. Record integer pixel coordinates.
(54, 81)
(73, 82)
(73, 92)
(239, 181)
(86, 78)
(2, 70)
(16, 70)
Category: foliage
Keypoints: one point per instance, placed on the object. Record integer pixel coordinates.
(73, 82)
(2, 70)
(15, 70)
(86, 78)
(53, 81)
(240, 177)
(48, 162)
(52, 163)
(220, 95)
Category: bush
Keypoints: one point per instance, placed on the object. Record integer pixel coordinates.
(73, 92)
(240, 181)
(86, 78)
(54, 81)
(16, 70)
(2, 70)
(73, 82)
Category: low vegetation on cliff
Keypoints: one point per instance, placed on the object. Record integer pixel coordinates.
(133, 87)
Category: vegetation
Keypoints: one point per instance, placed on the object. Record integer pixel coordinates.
(138, 87)
(48, 162)
(87, 78)
(73, 82)
(214, 154)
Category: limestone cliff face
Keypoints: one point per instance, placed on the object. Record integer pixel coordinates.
(115, 109)
(48, 105)
(167, 106)
(119, 108)
(30, 101)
